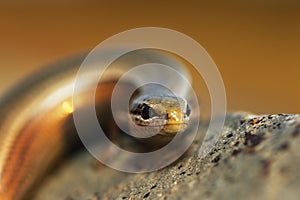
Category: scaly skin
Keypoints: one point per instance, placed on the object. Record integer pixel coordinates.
(36, 124)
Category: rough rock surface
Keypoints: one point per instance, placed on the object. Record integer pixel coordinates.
(256, 157)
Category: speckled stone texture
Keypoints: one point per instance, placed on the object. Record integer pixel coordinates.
(256, 157)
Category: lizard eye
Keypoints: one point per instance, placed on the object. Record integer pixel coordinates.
(188, 110)
(147, 112)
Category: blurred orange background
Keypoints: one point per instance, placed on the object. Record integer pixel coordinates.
(256, 45)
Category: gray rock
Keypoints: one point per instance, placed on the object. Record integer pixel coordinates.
(255, 157)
